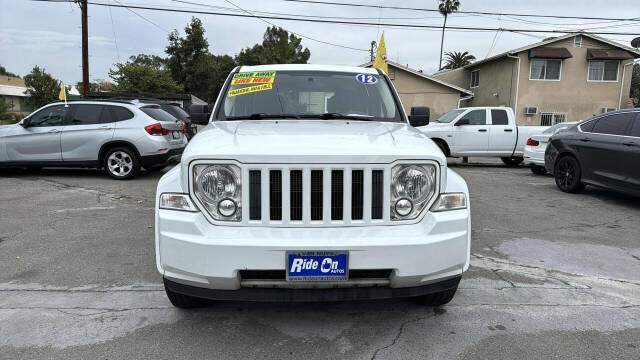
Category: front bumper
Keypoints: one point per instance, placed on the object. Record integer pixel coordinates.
(300, 295)
(192, 251)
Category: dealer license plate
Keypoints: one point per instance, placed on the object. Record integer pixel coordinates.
(175, 134)
(323, 265)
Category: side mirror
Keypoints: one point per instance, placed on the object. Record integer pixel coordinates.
(199, 114)
(419, 116)
(462, 122)
(24, 123)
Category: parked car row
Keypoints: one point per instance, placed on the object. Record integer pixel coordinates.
(601, 151)
(115, 135)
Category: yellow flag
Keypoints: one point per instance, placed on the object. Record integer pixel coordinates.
(63, 93)
(381, 56)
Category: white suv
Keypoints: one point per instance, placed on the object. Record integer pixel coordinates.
(309, 183)
(118, 136)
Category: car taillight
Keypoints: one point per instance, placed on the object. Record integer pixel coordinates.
(532, 142)
(156, 130)
(185, 129)
(550, 138)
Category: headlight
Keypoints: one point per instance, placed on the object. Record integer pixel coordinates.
(219, 190)
(412, 186)
(452, 201)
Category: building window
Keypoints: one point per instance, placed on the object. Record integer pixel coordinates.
(475, 78)
(603, 70)
(577, 41)
(549, 118)
(545, 69)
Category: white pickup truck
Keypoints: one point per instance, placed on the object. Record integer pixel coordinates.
(309, 183)
(481, 131)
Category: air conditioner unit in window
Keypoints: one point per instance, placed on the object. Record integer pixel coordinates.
(530, 110)
(606, 110)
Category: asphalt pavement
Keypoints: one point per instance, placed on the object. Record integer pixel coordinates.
(552, 275)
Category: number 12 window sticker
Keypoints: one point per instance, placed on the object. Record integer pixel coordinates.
(262, 80)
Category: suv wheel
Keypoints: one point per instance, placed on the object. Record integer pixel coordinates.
(439, 298)
(512, 161)
(567, 174)
(184, 301)
(121, 163)
(538, 170)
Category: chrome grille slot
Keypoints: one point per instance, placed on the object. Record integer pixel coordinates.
(337, 194)
(376, 193)
(295, 196)
(316, 194)
(275, 195)
(255, 197)
(357, 187)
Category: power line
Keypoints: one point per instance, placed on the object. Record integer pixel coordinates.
(129, 8)
(460, 11)
(272, 24)
(341, 22)
(113, 29)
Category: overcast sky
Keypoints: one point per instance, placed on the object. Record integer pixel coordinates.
(48, 34)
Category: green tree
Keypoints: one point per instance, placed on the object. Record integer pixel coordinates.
(4, 110)
(4, 72)
(446, 7)
(136, 78)
(149, 60)
(278, 47)
(457, 59)
(635, 85)
(42, 88)
(187, 54)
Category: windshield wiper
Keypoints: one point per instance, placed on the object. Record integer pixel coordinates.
(260, 116)
(327, 116)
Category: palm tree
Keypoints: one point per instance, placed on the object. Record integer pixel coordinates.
(446, 7)
(457, 59)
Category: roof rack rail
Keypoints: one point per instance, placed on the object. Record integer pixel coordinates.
(122, 101)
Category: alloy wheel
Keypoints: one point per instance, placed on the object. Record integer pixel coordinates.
(566, 174)
(120, 163)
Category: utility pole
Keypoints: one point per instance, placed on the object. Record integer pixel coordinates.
(372, 52)
(85, 49)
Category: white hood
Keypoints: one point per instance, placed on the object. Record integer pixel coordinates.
(311, 141)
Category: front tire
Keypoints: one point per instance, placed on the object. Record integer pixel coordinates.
(568, 174)
(121, 163)
(512, 161)
(538, 170)
(439, 298)
(184, 301)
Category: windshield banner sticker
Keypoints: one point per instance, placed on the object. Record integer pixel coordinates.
(257, 77)
(249, 89)
(366, 78)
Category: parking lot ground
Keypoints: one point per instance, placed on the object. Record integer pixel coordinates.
(552, 275)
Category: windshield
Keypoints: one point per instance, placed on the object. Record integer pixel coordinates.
(448, 117)
(557, 128)
(309, 94)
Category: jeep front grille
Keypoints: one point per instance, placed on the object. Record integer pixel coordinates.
(316, 195)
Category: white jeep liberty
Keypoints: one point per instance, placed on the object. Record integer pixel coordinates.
(310, 184)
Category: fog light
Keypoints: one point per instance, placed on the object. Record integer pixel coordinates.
(404, 207)
(227, 207)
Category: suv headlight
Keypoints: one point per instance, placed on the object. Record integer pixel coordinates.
(219, 190)
(412, 186)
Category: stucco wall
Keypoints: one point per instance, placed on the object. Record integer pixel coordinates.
(573, 94)
(418, 91)
(497, 85)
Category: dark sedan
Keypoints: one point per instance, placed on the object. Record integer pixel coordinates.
(602, 151)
